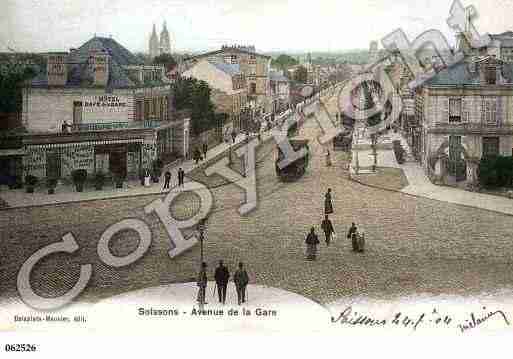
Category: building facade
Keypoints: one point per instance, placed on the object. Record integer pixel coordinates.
(255, 67)
(465, 113)
(280, 91)
(230, 91)
(97, 108)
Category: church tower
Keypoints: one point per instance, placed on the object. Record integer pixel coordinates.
(165, 42)
(154, 44)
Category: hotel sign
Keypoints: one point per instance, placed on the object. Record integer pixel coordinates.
(105, 103)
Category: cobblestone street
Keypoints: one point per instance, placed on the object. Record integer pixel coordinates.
(414, 245)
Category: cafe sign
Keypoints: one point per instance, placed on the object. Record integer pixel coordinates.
(104, 103)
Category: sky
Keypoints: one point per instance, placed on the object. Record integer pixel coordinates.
(199, 25)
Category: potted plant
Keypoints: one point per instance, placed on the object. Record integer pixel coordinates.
(157, 170)
(79, 177)
(99, 180)
(30, 183)
(51, 183)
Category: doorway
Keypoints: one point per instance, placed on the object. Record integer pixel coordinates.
(117, 163)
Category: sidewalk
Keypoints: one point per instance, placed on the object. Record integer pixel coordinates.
(67, 193)
(420, 185)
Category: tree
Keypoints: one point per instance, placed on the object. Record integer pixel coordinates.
(12, 76)
(284, 61)
(301, 74)
(167, 60)
(194, 95)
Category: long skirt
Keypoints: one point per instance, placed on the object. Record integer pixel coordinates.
(328, 207)
(328, 161)
(311, 251)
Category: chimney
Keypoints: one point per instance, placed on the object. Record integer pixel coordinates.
(57, 69)
(100, 68)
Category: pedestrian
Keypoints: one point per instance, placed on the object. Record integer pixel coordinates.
(202, 283)
(241, 281)
(311, 245)
(167, 179)
(197, 155)
(205, 149)
(181, 175)
(327, 227)
(221, 276)
(328, 159)
(352, 234)
(328, 205)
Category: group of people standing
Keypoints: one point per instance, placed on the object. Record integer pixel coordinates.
(167, 178)
(222, 276)
(197, 153)
(312, 240)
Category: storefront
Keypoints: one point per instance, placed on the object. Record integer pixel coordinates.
(124, 157)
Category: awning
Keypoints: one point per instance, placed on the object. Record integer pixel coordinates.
(85, 143)
(12, 152)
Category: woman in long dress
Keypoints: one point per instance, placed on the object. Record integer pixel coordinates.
(328, 205)
(311, 245)
(328, 159)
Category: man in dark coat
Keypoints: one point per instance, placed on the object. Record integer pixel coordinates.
(205, 149)
(327, 227)
(311, 245)
(241, 281)
(181, 175)
(167, 179)
(221, 276)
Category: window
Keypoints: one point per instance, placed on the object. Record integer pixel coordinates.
(454, 110)
(234, 59)
(491, 75)
(139, 109)
(489, 111)
(490, 146)
(252, 89)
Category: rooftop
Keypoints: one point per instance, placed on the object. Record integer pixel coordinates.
(463, 73)
(230, 69)
(79, 72)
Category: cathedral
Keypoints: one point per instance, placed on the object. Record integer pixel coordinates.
(160, 47)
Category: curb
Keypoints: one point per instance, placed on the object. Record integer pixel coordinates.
(431, 199)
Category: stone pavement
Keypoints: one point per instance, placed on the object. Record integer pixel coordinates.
(414, 245)
(420, 185)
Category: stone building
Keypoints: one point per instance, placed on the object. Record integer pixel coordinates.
(465, 113)
(229, 89)
(97, 108)
(254, 66)
(280, 91)
(158, 47)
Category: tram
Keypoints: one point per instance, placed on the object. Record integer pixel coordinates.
(296, 169)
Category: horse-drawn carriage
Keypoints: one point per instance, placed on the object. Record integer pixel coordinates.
(296, 169)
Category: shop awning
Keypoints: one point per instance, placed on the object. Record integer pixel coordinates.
(12, 152)
(85, 143)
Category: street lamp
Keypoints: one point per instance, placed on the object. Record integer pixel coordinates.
(202, 226)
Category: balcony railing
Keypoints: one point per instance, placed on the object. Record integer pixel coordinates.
(109, 126)
(472, 127)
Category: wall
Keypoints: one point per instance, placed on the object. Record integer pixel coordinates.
(46, 110)
(207, 72)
